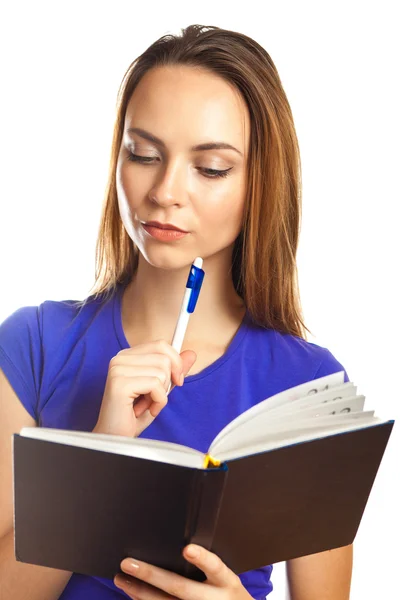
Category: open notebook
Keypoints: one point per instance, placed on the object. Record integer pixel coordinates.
(290, 476)
(313, 409)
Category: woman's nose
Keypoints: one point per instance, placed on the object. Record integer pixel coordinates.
(171, 186)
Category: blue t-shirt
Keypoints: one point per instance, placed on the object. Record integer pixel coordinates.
(56, 358)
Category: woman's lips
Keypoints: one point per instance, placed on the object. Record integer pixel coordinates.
(165, 235)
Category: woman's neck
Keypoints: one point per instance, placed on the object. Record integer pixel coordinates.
(152, 300)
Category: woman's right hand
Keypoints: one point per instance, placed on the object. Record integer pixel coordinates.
(137, 384)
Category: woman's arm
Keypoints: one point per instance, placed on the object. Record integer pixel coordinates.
(322, 576)
(18, 580)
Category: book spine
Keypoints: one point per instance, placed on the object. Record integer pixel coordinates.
(206, 499)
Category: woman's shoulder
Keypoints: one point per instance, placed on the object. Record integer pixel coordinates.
(294, 352)
(38, 341)
(31, 319)
(67, 321)
(45, 328)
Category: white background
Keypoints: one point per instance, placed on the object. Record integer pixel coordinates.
(61, 65)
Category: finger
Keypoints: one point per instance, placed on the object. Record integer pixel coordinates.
(216, 571)
(128, 371)
(139, 590)
(170, 583)
(188, 359)
(128, 365)
(136, 386)
(141, 404)
(157, 347)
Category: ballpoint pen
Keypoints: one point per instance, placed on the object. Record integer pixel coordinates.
(192, 291)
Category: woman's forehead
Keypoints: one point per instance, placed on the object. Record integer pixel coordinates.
(189, 103)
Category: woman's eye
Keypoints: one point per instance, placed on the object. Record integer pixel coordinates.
(210, 173)
(137, 158)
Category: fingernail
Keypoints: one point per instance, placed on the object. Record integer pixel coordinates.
(192, 551)
(120, 581)
(181, 379)
(129, 564)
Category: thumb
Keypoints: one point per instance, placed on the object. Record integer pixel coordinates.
(189, 357)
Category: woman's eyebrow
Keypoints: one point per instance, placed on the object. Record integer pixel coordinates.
(206, 146)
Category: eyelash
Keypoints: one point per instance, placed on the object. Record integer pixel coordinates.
(212, 173)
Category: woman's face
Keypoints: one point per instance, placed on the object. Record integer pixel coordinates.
(183, 107)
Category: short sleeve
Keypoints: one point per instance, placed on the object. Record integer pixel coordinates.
(21, 355)
(330, 365)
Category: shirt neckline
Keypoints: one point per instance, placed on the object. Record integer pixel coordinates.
(230, 351)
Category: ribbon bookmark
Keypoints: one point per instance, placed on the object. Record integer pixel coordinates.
(208, 459)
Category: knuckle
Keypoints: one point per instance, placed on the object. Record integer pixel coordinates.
(159, 377)
(215, 564)
(180, 589)
(162, 344)
(158, 382)
(165, 361)
(166, 349)
(163, 396)
(112, 370)
(236, 582)
(113, 361)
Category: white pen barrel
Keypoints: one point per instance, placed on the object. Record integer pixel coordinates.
(184, 315)
(181, 326)
(183, 320)
(180, 332)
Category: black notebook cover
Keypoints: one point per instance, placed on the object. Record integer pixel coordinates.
(86, 510)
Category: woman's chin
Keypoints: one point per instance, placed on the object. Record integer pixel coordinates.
(168, 258)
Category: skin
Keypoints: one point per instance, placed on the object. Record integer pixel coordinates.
(322, 576)
(185, 107)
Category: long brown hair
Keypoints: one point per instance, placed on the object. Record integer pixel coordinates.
(264, 269)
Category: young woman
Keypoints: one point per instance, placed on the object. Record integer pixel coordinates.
(204, 143)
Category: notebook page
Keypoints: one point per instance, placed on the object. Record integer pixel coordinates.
(160, 451)
(243, 438)
(280, 439)
(347, 390)
(308, 388)
(271, 420)
(343, 406)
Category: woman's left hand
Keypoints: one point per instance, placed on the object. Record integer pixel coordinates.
(147, 582)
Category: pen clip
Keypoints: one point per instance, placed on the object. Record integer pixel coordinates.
(194, 282)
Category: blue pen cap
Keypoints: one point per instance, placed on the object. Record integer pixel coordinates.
(194, 282)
